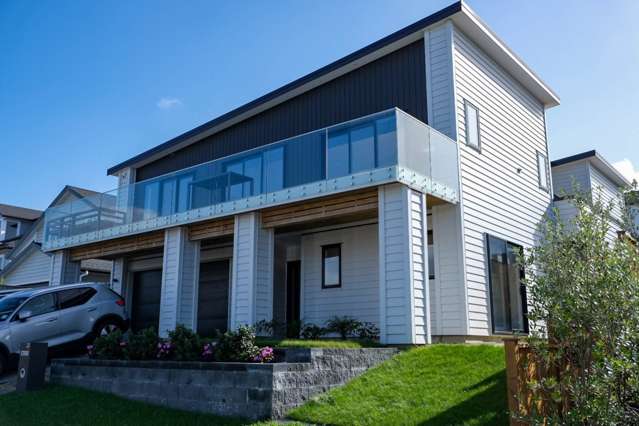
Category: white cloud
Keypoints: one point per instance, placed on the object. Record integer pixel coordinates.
(626, 168)
(168, 103)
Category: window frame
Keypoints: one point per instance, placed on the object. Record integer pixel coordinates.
(467, 104)
(547, 187)
(325, 248)
(522, 291)
(431, 247)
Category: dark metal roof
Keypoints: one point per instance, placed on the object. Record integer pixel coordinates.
(19, 212)
(398, 35)
(573, 158)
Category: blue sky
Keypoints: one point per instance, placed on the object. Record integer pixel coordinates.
(86, 85)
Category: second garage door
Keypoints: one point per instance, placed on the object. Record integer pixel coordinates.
(147, 288)
(213, 298)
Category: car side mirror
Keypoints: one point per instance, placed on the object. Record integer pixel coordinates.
(24, 315)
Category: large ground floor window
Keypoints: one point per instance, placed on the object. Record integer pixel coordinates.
(507, 292)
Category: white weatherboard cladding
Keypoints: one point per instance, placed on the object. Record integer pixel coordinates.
(566, 176)
(449, 310)
(63, 271)
(179, 280)
(117, 275)
(252, 276)
(358, 296)
(403, 266)
(500, 187)
(439, 79)
(34, 268)
(608, 191)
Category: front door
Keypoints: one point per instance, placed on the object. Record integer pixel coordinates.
(293, 270)
(213, 298)
(147, 289)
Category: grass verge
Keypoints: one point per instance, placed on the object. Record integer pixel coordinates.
(436, 385)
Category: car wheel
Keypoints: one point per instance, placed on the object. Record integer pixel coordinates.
(107, 327)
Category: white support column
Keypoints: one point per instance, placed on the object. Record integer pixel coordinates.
(252, 272)
(63, 270)
(403, 266)
(117, 276)
(180, 276)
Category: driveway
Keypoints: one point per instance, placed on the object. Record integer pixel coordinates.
(8, 383)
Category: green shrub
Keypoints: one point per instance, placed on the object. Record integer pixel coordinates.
(237, 346)
(111, 346)
(312, 332)
(368, 331)
(267, 328)
(143, 345)
(186, 345)
(344, 326)
(583, 298)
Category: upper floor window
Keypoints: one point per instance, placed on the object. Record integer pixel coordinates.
(542, 170)
(472, 125)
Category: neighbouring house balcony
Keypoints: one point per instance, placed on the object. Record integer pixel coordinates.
(389, 146)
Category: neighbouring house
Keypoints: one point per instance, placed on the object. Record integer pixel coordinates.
(590, 174)
(27, 265)
(14, 223)
(394, 186)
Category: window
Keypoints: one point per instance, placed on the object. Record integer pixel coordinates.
(40, 305)
(75, 297)
(507, 293)
(332, 266)
(472, 125)
(431, 256)
(542, 170)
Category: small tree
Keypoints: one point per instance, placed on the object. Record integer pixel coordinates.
(584, 316)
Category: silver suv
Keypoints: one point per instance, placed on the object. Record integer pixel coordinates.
(57, 316)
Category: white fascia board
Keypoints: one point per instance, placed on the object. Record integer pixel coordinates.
(474, 28)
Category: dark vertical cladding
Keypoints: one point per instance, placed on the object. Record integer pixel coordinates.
(395, 80)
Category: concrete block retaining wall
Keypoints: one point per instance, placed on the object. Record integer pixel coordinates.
(256, 391)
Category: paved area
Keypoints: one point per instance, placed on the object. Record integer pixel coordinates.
(8, 383)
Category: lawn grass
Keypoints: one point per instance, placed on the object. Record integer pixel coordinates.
(61, 405)
(320, 343)
(436, 385)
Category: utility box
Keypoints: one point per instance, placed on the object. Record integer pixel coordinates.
(32, 366)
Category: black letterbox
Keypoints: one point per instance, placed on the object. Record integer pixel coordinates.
(33, 363)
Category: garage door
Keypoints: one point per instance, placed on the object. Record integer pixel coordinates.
(213, 298)
(147, 287)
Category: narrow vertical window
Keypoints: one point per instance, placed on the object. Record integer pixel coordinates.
(472, 125)
(332, 266)
(431, 256)
(507, 292)
(542, 170)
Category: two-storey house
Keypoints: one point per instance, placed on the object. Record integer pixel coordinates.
(591, 175)
(394, 185)
(14, 223)
(27, 265)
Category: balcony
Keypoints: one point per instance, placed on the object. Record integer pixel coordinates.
(389, 146)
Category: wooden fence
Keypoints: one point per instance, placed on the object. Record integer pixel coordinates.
(523, 368)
